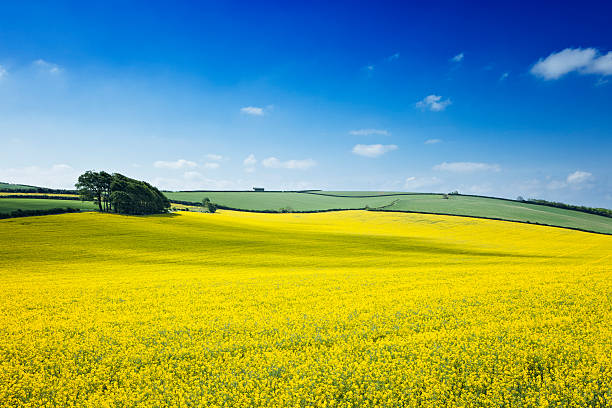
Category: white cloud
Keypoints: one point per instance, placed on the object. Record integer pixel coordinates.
(504, 76)
(373, 150)
(3, 72)
(274, 163)
(584, 61)
(250, 160)
(601, 65)
(466, 167)
(48, 67)
(458, 58)
(175, 165)
(416, 183)
(433, 141)
(55, 176)
(61, 167)
(211, 165)
(393, 57)
(214, 157)
(433, 103)
(579, 177)
(368, 132)
(252, 110)
(192, 175)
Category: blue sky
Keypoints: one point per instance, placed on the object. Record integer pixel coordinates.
(502, 100)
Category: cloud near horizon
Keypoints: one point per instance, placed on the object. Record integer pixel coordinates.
(433, 103)
(368, 132)
(175, 165)
(274, 163)
(252, 110)
(373, 150)
(466, 167)
(48, 67)
(581, 60)
(579, 177)
(433, 141)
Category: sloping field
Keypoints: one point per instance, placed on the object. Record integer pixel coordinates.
(426, 203)
(9, 186)
(8, 205)
(509, 210)
(275, 201)
(347, 309)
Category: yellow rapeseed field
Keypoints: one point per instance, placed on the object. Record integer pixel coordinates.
(344, 309)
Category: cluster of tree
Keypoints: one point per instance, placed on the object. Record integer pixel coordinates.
(28, 213)
(120, 194)
(598, 211)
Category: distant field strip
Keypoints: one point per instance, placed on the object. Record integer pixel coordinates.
(412, 202)
(8, 205)
(343, 309)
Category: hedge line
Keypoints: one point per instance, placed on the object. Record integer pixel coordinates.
(42, 190)
(45, 197)
(30, 213)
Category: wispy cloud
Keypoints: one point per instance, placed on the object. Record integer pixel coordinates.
(393, 57)
(368, 132)
(48, 67)
(373, 150)
(433, 141)
(3, 72)
(59, 175)
(433, 103)
(581, 60)
(274, 163)
(466, 167)
(175, 165)
(214, 157)
(252, 110)
(458, 58)
(504, 76)
(416, 183)
(579, 177)
(211, 165)
(250, 160)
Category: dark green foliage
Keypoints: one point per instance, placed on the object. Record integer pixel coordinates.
(598, 211)
(23, 188)
(121, 194)
(28, 213)
(209, 205)
(40, 197)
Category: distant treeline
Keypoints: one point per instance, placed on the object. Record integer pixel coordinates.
(29, 213)
(46, 197)
(597, 211)
(120, 194)
(41, 190)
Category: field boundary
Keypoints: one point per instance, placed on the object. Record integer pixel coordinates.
(381, 209)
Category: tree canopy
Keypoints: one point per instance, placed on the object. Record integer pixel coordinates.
(120, 194)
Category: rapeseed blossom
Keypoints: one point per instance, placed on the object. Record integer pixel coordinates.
(347, 309)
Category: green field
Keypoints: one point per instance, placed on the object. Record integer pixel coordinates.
(8, 205)
(16, 187)
(275, 201)
(426, 203)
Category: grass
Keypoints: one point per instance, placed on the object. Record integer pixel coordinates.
(17, 187)
(8, 205)
(427, 203)
(340, 309)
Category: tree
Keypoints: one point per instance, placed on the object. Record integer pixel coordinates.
(209, 205)
(121, 194)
